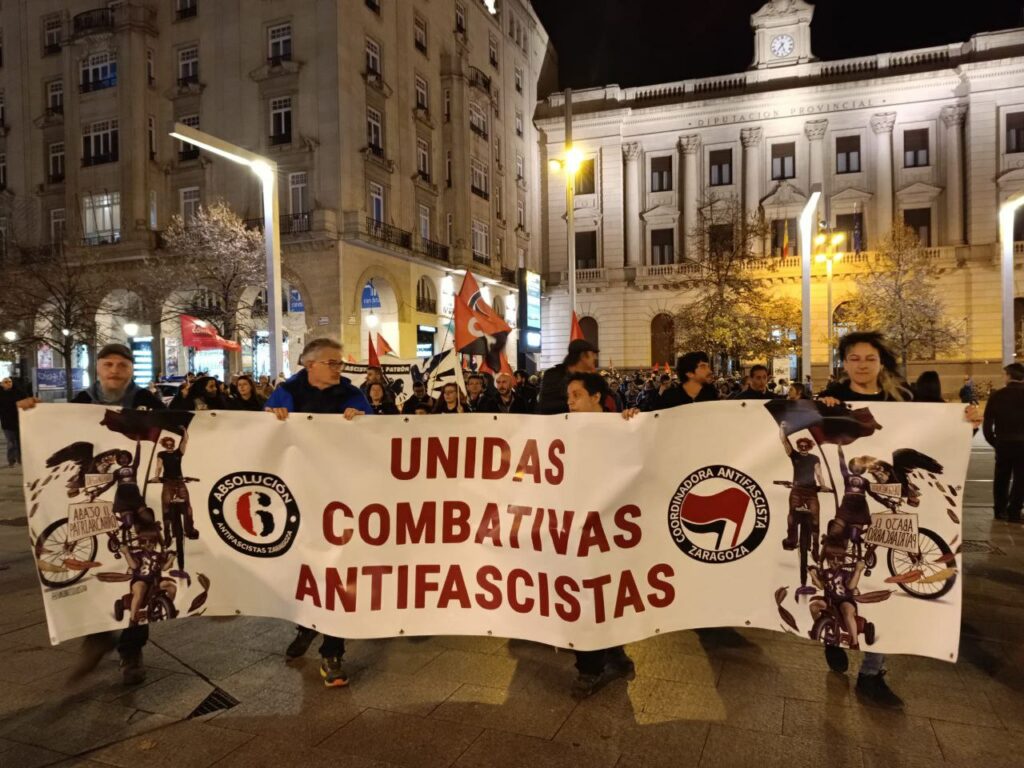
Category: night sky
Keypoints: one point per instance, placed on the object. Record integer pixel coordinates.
(640, 42)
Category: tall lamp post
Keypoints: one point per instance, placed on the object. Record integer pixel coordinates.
(569, 165)
(1007, 214)
(807, 218)
(266, 170)
(830, 255)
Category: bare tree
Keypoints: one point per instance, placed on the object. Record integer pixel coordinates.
(898, 297)
(728, 312)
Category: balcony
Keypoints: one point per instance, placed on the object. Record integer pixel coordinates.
(187, 12)
(290, 223)
(481, 132)
(478, 79)
(91, 22)
(90, 160)
(480, 192)
(376, 150)
(433, 250)
(56, 178)
(102, 238)
(385, 233)
(277, 139)
(97, 85)
(423, 176)
(192, 153)
(421, 46)
(187, 80)
(276, 61)
(481, 258)
(51, 49)
(55, 111)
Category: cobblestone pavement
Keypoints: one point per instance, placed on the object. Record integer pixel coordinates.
(715, 698)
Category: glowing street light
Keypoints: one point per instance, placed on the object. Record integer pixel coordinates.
(10, 336)
(570, 166)
(65, 332)
(372, 321)
(807, 219)
(266, 170)
(1007, 213)
(131, 330)
(828, 256)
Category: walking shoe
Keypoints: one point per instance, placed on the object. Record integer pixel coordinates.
(876, 691)
(132, 671)
(94, 648)
(622, 664)
(332, 672)
(587, 685)
(836, 658)
(303, 639)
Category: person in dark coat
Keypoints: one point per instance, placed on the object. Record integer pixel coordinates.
(377, 396)
(508, 399)
(247, 399)
(1003, 427)
(10, 394)
(757, 388)
(203, 395)
(477, 399)
(695, 383)
(420, 400)
(581, 358)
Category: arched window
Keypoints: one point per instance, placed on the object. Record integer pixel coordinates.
(663, 340)
(425, 298)
(589, 327)
(498, 305)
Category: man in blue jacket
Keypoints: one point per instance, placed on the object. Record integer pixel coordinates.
(319, 388)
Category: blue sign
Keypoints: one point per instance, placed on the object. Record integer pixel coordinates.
(529, 310)
(295, 301)
(371, 299)
(55, 378)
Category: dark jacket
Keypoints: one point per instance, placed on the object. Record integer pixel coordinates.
(386, 408)
(483, 404)
(753, 394)
(298, 396)
(676, 395)
(553, 398)
(409, 406)
(135, 397)
(842, 391)
(8, 407)
(254, 403)
(1004, 415)
(518, 405)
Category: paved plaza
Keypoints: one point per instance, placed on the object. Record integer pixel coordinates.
(714, 698)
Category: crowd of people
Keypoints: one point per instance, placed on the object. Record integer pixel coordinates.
(869, 373)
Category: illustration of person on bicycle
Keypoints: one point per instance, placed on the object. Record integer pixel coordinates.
(174, 498)
(148, 583)
(836, 618)
(803, 494)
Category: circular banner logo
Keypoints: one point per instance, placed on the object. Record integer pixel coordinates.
(718, 514)
(254, 513)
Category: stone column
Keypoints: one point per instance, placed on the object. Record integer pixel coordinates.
(631, 208)
(689, 145)
(953, 118)
(814, 130)
(882, 124)
(751, 140)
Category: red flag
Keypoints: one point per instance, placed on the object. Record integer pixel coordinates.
(374, 360)
(710, 514)
(200, 334)
(471, 295)
(504, 367)
(668, 369)
(472, 328)
(576, 332)
(383, 348)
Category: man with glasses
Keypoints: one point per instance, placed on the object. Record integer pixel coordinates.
(319, 388)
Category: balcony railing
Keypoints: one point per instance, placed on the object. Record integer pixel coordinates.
(481, 132)
(478, 79)
(102, 238)
(187, 12)
(96, 20)
(480, 192)
(90, 160)
(56, 178)
(51, 49)
(276, 139)
(188, 154)
(290, 223)
(423, 175)
(55, 111)
(481, 258)
(187, 80)
(425, 305)
(434, 250)
(386, 233)
(275, 61)
(376, 150)
(97, 85)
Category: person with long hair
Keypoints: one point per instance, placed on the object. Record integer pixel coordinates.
(928, 388)
(450, 400)
(377, 396)
(248, 398)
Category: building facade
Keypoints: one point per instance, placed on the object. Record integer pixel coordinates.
(401, 129)
(931, 138)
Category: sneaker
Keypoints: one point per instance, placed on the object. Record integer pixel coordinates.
(876, 691)
(332, 672)
(94, 648)
(303, 639)
(836, 658)
(587, 685)
(132, 670)
(789, 545)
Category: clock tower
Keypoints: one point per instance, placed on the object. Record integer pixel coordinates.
(782, 34)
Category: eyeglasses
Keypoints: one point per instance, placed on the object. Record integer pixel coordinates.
(334, 365)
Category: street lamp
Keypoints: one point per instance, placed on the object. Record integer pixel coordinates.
(829, 255)
(1007, 214)
(10, 336)
(807, 219)
(266, 170)
(570, 166)
(131, 330)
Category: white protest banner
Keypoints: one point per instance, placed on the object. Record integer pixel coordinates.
(582, 531)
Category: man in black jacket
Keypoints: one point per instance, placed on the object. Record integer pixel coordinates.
(757, 388)
(477, 399)
(419, 400)
(582, 358)
(695, 383)
(508, 400)
(10, 394)
(1004, 429)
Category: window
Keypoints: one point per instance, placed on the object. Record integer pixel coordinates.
(519, 79)
(376, 202)
(189, 203)
(519, 124)
(3, 171)
(448, 167)
(56, 163)
(663, 246)
(279, 42)
(586, 250)
(783, 161)
(853, 225)
(188, 65)
(460, 18)
(915, 148)
(152, 210)
(423, 159)
(55, 97)
(481, 242)
(1015, 132)
(521, 214)
(848, 154)
(99, 71)
(585, 178)
(720, 238)
(373, 5)
(425, 301)
(498, 203)
(424, 222)
(101, 218)
(479, 178)
(150, 67)
(281, 120)
(419, 34)
(188, 151)
(3, 110)
(492, 52)
(151, 133)
(720, 161)
(51, 36)
(422, 95)
(447, 105)
(520, 167)
(374, 131)
(372, 57)
(661, 174)
(920, 220)
(477, 120)
(58, 225)
(449, 229)
(186, 9)
(785, 236)
(298, 193)
(99, 143)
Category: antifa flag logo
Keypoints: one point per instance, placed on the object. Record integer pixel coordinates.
(245, 511)
(718, 514)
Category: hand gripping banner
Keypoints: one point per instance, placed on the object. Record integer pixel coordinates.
(841, 525)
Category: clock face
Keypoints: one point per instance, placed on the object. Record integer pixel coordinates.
(782, 45)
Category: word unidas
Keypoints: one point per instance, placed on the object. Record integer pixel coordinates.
(522, 591)
(489, 458)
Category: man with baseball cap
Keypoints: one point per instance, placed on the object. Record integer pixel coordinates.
(114, 385)
(582, 358)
